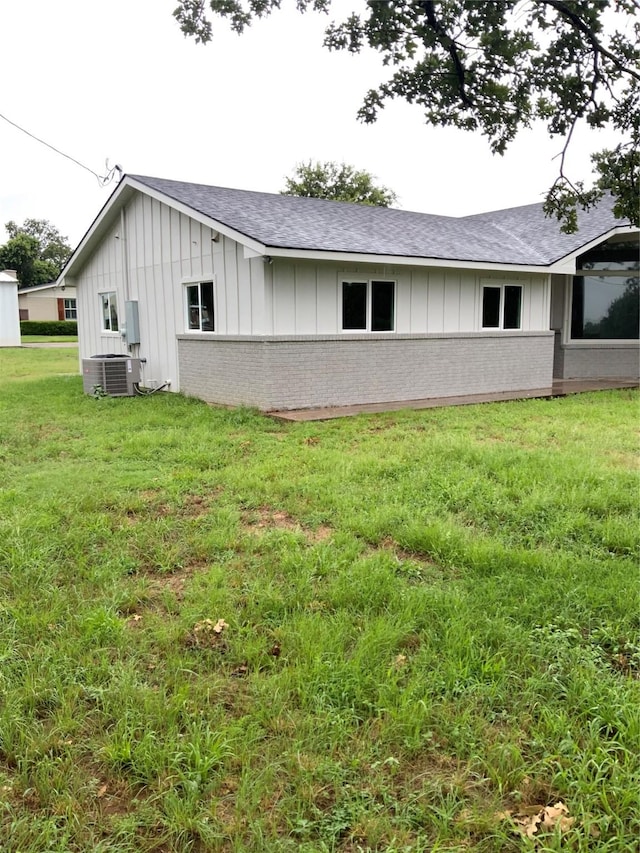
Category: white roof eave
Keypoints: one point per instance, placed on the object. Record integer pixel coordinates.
(400, 260)
(567, 264)
(119, 198)
(253, 248)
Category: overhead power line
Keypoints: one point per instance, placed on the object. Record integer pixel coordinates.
(103, 180)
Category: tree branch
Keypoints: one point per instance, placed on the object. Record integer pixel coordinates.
(579, 24)
(428, 6)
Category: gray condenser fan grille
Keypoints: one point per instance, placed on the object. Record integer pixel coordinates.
(117, 376)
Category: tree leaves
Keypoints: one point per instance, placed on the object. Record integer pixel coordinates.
(496, 68)
(36, 250)
(338, 182)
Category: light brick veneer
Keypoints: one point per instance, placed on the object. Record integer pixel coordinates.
(335, 370)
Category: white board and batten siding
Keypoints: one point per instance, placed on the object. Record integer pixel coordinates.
(303, 298)
(163, 251)
(152, 251)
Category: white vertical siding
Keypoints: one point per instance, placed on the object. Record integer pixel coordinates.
(327, 295)
(164, 249)
(452, 302)
(403, 299)
(101, 274)
(469, 307)
(229, 319)
(418, 310)
(305, 297)
(435, 301)
(284, 299)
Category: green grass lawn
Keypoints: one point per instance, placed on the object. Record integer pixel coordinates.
(25, 365)
(49, 339)
(396, 632)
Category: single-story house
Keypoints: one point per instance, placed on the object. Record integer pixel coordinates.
(281, 302)
(47, 302)
(9, 325)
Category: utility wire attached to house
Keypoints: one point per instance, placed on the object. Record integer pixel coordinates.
(103, 180)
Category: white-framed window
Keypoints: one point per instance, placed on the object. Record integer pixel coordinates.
(70, 309)
(200, 307)
(109, 312)
(605, 294)
(368, 306)
(501, 306)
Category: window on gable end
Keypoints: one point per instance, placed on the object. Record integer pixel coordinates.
(109, 312)
(200, 307)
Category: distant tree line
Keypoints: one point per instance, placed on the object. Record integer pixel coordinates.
(35, 250)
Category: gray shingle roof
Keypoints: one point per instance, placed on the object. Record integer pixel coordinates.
(519, 235)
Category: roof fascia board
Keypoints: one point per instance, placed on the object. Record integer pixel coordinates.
(399, 260)
(567, 264)
(202, 218)
(36, 288)
(108, 207)
(125, 188)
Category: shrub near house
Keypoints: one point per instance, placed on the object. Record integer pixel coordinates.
(49, 328)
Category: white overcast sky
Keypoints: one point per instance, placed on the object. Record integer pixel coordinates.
(116, 79)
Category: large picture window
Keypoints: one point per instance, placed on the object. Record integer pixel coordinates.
(368, 306)
(109, 312)
(605, 298)
(200, 312)
(605, 308)
(502, 306)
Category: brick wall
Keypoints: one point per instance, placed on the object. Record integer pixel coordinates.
(600, 361)
(309, 371)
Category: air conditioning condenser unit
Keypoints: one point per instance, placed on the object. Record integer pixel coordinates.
(114, 375)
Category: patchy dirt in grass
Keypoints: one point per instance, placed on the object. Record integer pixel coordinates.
(154, 506)
(155, 585)
(628, 461)
(266, 518)
(434, 765)
(404, 554)
(414, 565)
(113, 799)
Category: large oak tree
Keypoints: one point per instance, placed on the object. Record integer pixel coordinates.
(496, 68)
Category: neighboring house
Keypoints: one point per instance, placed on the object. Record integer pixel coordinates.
(47, 302)
(280, 302)
(9, 325)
